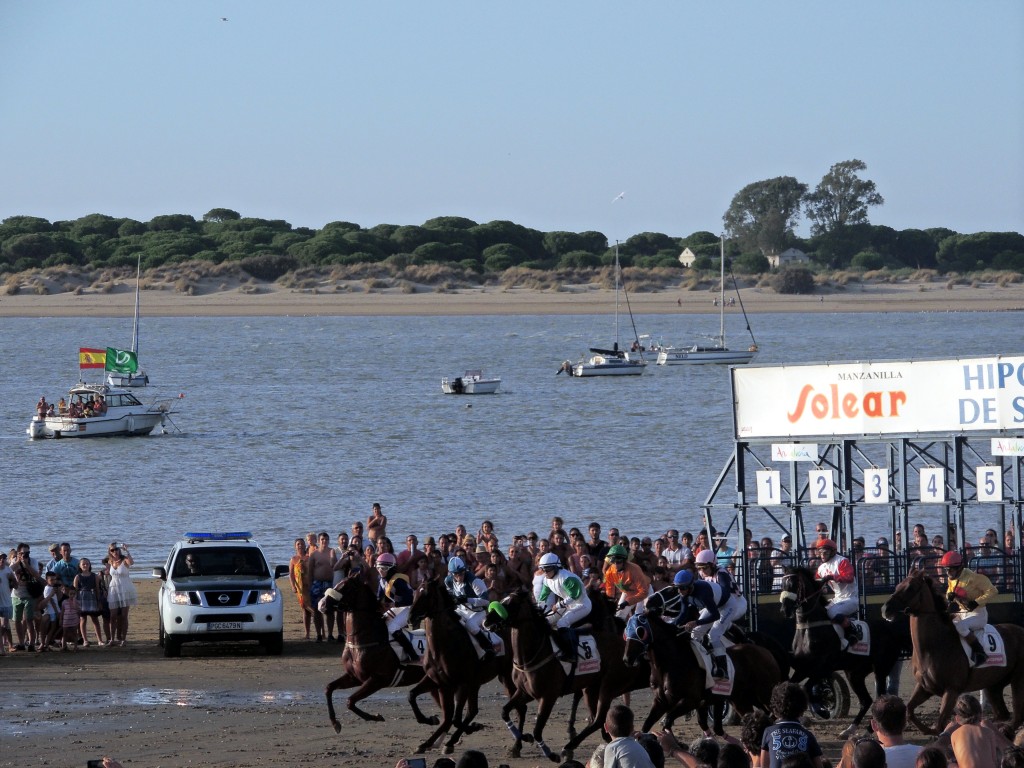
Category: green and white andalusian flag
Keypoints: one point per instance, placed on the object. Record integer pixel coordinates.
(121, 361)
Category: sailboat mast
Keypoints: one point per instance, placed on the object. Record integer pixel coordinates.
(135, 325)
(721, 308)
(616, 347)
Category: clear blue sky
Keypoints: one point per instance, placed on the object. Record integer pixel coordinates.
(536, 112)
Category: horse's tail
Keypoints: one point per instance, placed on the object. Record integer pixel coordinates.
(774, 647)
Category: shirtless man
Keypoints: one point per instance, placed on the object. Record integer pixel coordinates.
(321, 567)
(376, 525)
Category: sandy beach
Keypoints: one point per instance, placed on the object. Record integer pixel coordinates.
(232, 706)
(219, 298)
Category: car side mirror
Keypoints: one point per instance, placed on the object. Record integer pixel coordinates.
(280, 571)
(160, 573)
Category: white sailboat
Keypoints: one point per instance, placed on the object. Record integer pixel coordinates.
(607, 362)
(716, 353)
(139, 378)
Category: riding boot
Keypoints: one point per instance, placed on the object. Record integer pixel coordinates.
(851, 630)
(485, 644)
(403, 640)
(565, 639)
(978, 655)
(719, 669)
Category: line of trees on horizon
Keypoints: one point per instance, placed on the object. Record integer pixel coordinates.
(760, 221)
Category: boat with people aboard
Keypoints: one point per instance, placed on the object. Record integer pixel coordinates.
(715, 353)
(99, 410)
(470, 383)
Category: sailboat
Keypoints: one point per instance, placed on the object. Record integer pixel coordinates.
(139, 378)
(716, 353)
(608, 362)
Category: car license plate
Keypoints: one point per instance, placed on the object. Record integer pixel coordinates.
(225, 626)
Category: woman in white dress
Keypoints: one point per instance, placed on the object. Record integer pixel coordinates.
(121, 594)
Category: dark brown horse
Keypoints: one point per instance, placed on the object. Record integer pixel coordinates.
(367, 659)
(538, 674)
(451, 666)
(816, 648)
(941, 667)
(679, 682)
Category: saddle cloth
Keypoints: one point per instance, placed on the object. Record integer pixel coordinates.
(992, 643)
(860, 648)
(588, 658)
(716, 686)
(418, 638)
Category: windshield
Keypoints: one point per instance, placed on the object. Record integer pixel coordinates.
(220, 561)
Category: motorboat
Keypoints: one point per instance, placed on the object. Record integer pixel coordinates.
(470, 383)
(610, 362)
(715, 353)
(121, 414)
(129, 375)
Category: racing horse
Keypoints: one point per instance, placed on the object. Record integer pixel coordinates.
(368, 659)
(450, 665)
(941, 668)
(816, 648)
(679, 682)
(538, 673)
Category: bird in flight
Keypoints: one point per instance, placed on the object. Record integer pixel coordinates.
(223, 18)
(619, 196)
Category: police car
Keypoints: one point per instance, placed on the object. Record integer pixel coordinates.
(218, 587)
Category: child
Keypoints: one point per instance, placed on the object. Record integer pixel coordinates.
(70, 615)
(787, 736)
(48, 609)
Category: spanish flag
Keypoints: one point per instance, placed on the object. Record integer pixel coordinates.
(91, 358)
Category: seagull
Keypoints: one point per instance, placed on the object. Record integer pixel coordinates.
(619, 196)
(223, 18)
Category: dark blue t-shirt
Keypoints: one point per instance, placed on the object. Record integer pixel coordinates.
(787, 738)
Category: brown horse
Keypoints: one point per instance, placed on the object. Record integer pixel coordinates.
(941, 667)
(451, 665)
(679, 682)
(538, 674)
(368, 659)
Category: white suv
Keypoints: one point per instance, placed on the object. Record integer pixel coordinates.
(218, 587)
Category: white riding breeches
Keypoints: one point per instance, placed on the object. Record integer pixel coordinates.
(397, 618)
(471, 620)
(971, 621)
(842, 608)
(571, 614)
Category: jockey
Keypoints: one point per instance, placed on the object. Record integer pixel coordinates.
(688, 591)
(471, 601)
(731, 606)
(624, 581)
(967, 594)
(567, 600)
(395, 594)
(837, 571)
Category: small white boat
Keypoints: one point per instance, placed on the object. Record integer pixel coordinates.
(609, 362)
(134, 378)
(470, 383)
(121, 414)
(711, 354)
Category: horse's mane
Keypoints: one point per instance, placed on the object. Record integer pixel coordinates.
(935, 591)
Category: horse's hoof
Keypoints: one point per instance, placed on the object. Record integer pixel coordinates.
(432, 720)
(448, 749)
(566, 754)
(554, 758)
(528, 738)
(514, 752)
(848, 732)
(377, 718)
(337, 726)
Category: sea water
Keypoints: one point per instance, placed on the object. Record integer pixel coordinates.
(297, 424)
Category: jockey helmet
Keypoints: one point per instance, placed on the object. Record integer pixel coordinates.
(827, 544)
(683, 578)
(617, 551)
(550, 560)
(386, 560)
(456, 565)
(951, 559)
(706, 557)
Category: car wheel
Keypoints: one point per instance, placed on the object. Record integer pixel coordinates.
(172, 646)
(274, 644)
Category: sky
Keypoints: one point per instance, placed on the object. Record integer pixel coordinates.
(540, 113)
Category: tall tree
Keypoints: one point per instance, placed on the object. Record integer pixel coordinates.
(841, 198)
(763, 214)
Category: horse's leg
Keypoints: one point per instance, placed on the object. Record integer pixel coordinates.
(424, 685)
(518, 702)
(597, 717)
(544, 707)
(465, 704)
(858, 682)
(918, 697)
(447, 713)
(946, 709)
(368, 688)
(994, 695)
(345, 681)
(1017, 695)
(658, 708)
(577, 695)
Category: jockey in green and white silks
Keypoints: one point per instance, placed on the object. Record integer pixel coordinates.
(566, 598)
